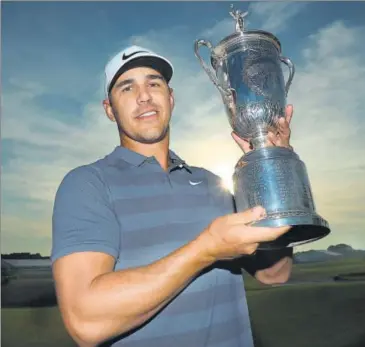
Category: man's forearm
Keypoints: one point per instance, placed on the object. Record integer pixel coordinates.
(119, 301)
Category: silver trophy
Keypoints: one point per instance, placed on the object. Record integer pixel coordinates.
(246, 69)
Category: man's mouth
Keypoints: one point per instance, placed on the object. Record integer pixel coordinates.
(148, 114)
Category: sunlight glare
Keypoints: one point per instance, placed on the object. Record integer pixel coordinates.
(225, 172)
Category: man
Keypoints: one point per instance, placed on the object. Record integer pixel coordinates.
(144, 245)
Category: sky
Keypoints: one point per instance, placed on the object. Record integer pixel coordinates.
(53, 55)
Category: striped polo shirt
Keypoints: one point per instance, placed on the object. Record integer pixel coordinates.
(127, 206)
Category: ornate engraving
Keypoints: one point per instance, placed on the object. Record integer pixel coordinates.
(278, 182)
(254, 118)
(287, 214)
(261, 70)
(255, 77)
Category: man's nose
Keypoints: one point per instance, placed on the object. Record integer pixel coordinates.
(144, 95)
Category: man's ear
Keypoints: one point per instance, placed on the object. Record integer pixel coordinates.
(172, 98)
(108, 109)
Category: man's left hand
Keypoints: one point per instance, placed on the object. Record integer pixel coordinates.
(281, 138)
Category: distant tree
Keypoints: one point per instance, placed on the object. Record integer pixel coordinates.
(23, 255)
(342, 247)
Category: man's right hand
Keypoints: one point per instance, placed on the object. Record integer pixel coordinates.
(232, 235)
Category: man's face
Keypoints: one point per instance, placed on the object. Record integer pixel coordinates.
(141, 104)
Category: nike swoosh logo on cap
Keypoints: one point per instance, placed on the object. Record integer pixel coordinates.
(125, 56)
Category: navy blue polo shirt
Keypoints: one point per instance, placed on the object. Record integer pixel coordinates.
(127, 206)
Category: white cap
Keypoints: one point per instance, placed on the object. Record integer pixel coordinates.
(135, 56)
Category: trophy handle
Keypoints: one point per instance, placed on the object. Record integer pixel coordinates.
(225, 93)
(291, 67)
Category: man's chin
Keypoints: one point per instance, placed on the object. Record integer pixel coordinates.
(146, 138)
(152, 139)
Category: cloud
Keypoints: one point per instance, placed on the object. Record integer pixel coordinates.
(275, 16)
(272, 16)
(327, 93)
(221, 29)
(25, 234)
(43, 147)
(327, 126)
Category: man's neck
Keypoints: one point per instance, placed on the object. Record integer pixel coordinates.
(159, 150)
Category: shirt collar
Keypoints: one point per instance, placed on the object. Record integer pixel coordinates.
(176, 161)
(129, 156)
(137, 159)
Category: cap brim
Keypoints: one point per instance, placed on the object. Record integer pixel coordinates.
(153, 62)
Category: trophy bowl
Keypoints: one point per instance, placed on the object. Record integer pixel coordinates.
(246, 67)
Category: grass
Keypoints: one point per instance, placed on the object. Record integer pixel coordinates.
(323, 314)
(33, 327)
(328, 314)
(327, 269)
(314, 272)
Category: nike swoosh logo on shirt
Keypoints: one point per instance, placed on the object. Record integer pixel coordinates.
(125, 56)
(194, 183)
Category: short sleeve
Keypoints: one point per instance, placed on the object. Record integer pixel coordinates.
(220, 194)
(83, 218)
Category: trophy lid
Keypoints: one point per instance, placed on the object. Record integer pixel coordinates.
(241, 35)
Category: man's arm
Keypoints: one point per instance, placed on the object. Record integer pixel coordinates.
(98, 303)
(271, 266)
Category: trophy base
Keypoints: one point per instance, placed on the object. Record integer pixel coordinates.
(276, 179)
(306, 228)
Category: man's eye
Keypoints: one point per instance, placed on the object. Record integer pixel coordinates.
(154, 84)
(127, 89)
